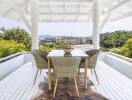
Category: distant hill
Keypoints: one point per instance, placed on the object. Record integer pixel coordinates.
(45, 37)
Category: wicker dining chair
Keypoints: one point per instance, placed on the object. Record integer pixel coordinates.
(93, 55)
(41, 61)
(65, 67)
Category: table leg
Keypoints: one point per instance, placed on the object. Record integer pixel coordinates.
(78, 73)
(49, 74)
(86, 64)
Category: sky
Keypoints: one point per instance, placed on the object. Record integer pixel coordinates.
(70, 29)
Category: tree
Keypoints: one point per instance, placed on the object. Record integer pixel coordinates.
(89, 41)
(18, 35)
(126, 50)
(115, 39)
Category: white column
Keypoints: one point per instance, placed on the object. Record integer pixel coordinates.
(96, 43)
(34, 24)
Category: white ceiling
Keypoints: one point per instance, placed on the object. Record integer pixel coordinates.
(66, 10)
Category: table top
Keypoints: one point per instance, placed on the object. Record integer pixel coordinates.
(60, 53)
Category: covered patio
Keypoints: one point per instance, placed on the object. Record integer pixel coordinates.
(33, 12)
(17, 71)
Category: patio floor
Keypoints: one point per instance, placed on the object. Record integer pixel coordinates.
(19, 84)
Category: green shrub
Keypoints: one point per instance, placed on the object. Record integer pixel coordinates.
(116, 50)
(8, 47)
(126, 50)
(18, 35)
(46, 48)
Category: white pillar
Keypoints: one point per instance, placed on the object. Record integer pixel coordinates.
(96, 40)
(34, 24)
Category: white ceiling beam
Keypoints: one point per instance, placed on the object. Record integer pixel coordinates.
(20, 12)
(127, 14)
(5, 10)
(9, 8)
(79, 8)
(62, 21)
(105, 21)
(65, 0)
(43, 6)
(64, 8)
(62, 13)
(129, 5)
(123, 16)
(117, 6)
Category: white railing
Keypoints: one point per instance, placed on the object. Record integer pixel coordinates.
(13, 62)
(120, 56)
(117, 63)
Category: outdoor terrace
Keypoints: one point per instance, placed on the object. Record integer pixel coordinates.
(17, 73)
(17, 83)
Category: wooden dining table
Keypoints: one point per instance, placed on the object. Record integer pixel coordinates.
(60, 53)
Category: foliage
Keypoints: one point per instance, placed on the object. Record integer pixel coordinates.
(1, 36)
(16, 39)
(126, 50)
(52, 45)
(115, 39)
(18, 35)
(8, 47)
(89, 41)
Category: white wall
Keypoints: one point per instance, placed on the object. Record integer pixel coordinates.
(118, 64)
(9, 66)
